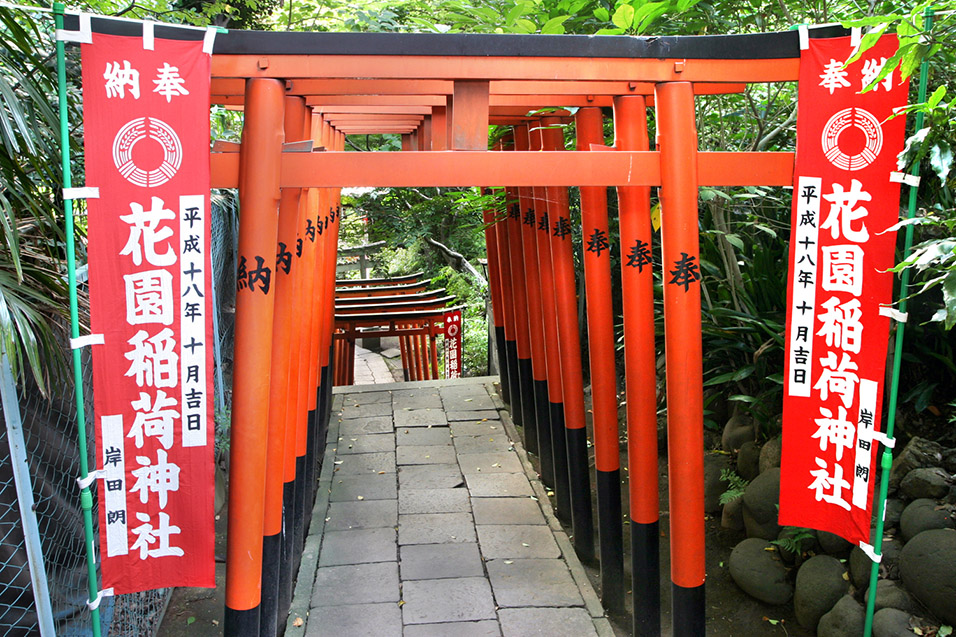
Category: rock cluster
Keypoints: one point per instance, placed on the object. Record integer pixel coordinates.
(825, 577)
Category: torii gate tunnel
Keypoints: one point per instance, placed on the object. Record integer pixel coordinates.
(440, 93)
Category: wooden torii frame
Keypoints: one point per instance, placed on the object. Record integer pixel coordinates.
(440, 92)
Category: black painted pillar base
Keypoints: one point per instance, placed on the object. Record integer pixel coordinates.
(285, 553)
(241, 623)
(310, 467)
(514, 384)
(559, 457)
(582, 521)
(646, 578)
(687, 610)
(502, 363)
(526, 385)
(611, 538)
(542, 412)
(298, 514)
(269, 606)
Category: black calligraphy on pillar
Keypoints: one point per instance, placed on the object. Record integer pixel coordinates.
(310, 230)
(529, 217)
(298, 247)
(562, 227)
(639, 255)
(514, 212)
(597, 242)
(283, 259)
(261, 275)
(543, 223)
(685, 271)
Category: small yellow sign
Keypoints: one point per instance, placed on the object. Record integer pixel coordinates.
(656, 217)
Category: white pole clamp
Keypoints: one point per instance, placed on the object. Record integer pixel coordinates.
(106, 592)
(88, 192)
(149, 40)
(209, 40)
(804, 33)
(893, 313)
(89, 339)
(904, 178)
(83, 36)
(870, 552)
(90, 478)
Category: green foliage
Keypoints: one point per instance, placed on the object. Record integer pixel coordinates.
(796, 540)
(33, 291)
(736, 487)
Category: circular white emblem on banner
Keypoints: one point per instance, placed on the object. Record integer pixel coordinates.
(453, 330)
(148, 128)
(859, 120)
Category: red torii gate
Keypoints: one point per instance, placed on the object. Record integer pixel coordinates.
(440, 92)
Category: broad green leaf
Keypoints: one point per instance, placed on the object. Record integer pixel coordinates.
(735, 241)
(623, 17)
(941, 159)
(524, 25)
(935, 98)
(554, 25)
(949, 300)
(516, 12)
(602, 14)
(867, 42)
(608, 31)
(684, 5)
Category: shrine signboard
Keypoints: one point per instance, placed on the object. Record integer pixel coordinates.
(845, 196)
(146, 119)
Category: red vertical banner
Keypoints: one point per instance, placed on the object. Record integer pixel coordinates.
(845, 195)
(453, 344)
(146, 129)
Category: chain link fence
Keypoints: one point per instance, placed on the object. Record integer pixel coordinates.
(50, 438)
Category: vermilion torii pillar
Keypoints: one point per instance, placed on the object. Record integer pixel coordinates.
(601, 350)
(282, 332)
(677, 138)
(569, 337)
(640, 372)
(259, 200)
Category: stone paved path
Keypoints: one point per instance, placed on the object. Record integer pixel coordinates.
(370, 368)
(427, 525)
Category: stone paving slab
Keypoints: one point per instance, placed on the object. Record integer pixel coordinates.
(546, 622)
(487, 628)
(362, 514)
(482, 444)
(497, 462)
(447, 600)
(469, 403)
(439, 561)
(496, 485)
(356, 584)
(420, 418)
(358, 463)
(420, 401)
(365, 398)
(366, 410)
(435, 528)
(430, 476)
(357, 620)
(487, 428)
(507, 511)
(370, 425)
(433, 524)
(375, 486)
(423, 436)
(516, 541)
(519, 583)
(358, 546)
(434, 501)
(425, 454)
(365, 444)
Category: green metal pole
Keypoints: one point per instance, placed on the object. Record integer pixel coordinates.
(886, 459)
(86, 498)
